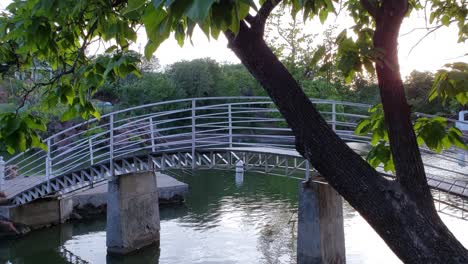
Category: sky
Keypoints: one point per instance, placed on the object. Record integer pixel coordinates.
(432, 53)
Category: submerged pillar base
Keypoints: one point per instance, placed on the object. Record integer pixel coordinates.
(132, 212)
(320, 236)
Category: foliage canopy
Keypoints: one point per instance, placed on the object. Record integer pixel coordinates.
(58, 33)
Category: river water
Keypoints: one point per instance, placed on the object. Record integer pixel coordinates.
(221, 222)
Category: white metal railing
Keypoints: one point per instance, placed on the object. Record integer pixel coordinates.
(193, 124)
(2, 173)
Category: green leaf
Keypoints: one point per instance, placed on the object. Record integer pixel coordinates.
(134, 5)
(369, 67)
(363, 127)
(451, 83)
(152, 20)
(445, 20)
(381, 154)
(318, 55)
(323, 14)
(180, 34)
(35, 123)
(198, 11)
(69, 114)
(111, 49)
(21, 141)
(150, 48)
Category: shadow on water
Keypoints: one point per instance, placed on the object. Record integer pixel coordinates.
(46, 245)
(42, 243)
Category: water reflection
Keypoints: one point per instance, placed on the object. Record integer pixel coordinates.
(220, 222)
(146, 255)
(43, 243)
(239, 179)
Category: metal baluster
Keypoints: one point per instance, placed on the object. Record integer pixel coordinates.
(334, 116)
(48, 164)
(91, 154)
(193, 132)
(2, 173)
(111, 144)
(153, 146)
(230, 125)
(91, 158)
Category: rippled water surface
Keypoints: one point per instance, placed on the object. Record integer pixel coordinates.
(221, 222)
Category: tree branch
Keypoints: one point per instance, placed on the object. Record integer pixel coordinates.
(369, 7)
(258, 24)
(424, 37)
(81, 51)
(250, 19)
(403, 143)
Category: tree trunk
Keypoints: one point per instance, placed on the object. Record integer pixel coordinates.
(396, 216)
(405, 151)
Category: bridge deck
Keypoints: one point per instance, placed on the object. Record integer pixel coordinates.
(19, 184)
(458, 186)
(449, 184)
(167, 186)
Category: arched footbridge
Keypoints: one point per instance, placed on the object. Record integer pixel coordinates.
(203, 133)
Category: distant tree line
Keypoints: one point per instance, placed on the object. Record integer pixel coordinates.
(208, 78)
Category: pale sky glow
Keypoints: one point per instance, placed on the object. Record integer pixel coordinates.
(432, 53)
(170, 52)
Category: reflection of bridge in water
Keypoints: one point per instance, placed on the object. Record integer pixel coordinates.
(70, 257)
(205, 133)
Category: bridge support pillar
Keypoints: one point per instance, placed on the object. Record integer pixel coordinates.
(132, 212)
(320, 236)
(239, 173)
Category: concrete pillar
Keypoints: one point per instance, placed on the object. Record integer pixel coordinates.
(239, 173)
(132, 212)
(320, 235)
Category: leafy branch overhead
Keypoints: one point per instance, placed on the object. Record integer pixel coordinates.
(451, 83)
(432, 132)
(64, 34)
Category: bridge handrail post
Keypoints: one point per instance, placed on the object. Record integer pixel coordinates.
(307, 170)
(48, 165)
(91, 154)
(194, 102)
(2, 173)
(334, 115)
(153, 146)
(230, 124)
(111, 144)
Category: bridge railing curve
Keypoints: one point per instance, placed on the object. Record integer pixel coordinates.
(197, 123)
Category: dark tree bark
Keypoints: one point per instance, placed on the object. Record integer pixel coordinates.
(405, 218)
(405, 151)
